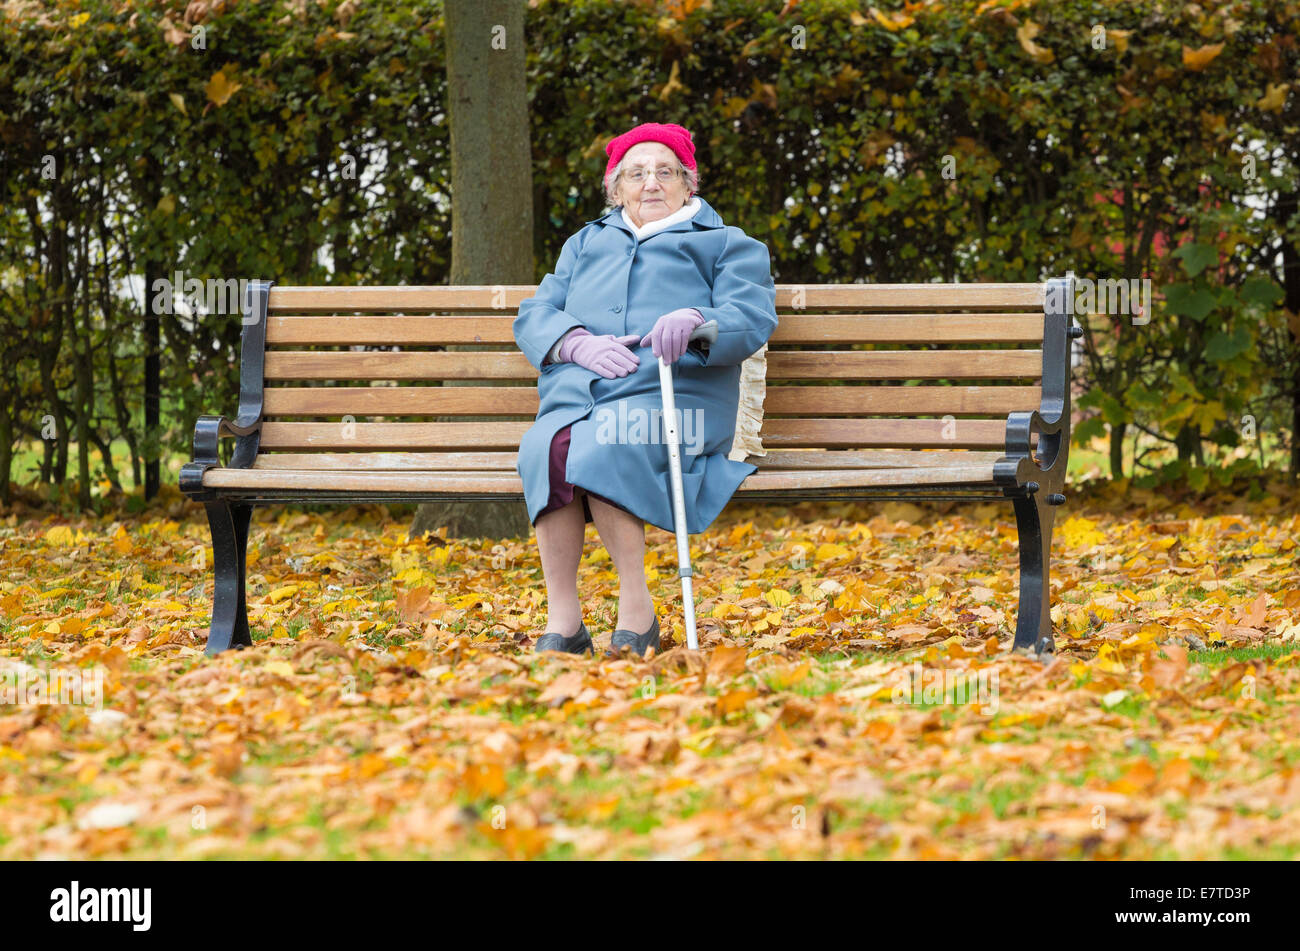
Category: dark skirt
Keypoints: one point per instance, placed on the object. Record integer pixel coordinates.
(561, 490)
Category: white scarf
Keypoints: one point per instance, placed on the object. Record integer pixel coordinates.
(683, 213)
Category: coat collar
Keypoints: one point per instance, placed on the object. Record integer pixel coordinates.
(706, 217)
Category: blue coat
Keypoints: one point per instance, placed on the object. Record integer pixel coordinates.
(611, 283)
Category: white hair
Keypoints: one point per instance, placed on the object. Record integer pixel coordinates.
(614, 181)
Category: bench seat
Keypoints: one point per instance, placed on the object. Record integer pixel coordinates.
(776, 472)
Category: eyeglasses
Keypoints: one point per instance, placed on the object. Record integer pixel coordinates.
(663, 175)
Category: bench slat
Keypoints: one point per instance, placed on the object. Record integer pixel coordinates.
(401, 401)
(510, 484)
(522, 401)
(404, 299)
(380, 461)
(792, 459)
(775, 434)
(781, 365)
(794, 328)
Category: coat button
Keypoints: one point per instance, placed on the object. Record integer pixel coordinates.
(617, 308)
(590, 405)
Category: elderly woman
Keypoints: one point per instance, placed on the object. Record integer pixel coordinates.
(645, 274)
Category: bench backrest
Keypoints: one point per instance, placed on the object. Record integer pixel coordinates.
(850, 366)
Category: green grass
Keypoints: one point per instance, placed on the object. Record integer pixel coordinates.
(1220, 658)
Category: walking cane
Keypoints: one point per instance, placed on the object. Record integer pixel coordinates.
(705, 331)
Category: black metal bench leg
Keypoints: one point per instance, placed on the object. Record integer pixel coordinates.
(229, 525)
(242, 515)
(1034, 518)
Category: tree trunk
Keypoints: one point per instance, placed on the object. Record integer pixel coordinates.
(152, 387)
(1117, 450)
(491, 185)
(6, 448)
(1286, 209)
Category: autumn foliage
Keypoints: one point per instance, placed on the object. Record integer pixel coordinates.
(854, 695)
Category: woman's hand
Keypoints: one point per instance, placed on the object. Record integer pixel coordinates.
(672, 332)
(604, 354)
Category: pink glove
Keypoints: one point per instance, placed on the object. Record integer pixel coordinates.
(672, 332)
(605, 354)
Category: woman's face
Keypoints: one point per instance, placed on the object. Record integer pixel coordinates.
(651, 199)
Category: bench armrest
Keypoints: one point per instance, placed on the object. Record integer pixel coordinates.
(246, 427)
(1022, 426)
(1020, 468)
(209, 430)
(207, 438)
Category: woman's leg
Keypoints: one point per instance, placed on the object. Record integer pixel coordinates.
(623, 535)
(560, 534)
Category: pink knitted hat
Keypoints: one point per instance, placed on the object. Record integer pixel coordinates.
(674, 136)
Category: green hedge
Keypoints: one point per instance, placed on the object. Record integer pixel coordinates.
(825, 131)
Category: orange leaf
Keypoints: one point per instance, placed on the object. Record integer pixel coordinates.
(735, 700)
(1254, 615)
(726, 662)
(1170, 673)
(1197, 59)
(412, 605)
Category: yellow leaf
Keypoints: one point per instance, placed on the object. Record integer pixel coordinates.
(166, 204)
(1105, 660)
(778, 597)
(220, 89)
(893, 21)
(674, 83)
(722, 610)
(60, 535)
(179, 102)
(280, 667)
(1275, 98)
(1025, 33)
(279, 594)
(739, 532)
(411, 576)
(1079, 532)
(1197, 59)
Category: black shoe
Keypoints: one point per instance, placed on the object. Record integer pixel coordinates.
(637, 642)
(579, 643)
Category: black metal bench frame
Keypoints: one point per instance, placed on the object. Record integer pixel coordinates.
(1033, 485)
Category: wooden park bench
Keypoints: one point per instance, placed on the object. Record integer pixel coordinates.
(963, 394)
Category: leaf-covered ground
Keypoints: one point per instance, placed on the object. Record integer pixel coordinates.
(392, 706)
